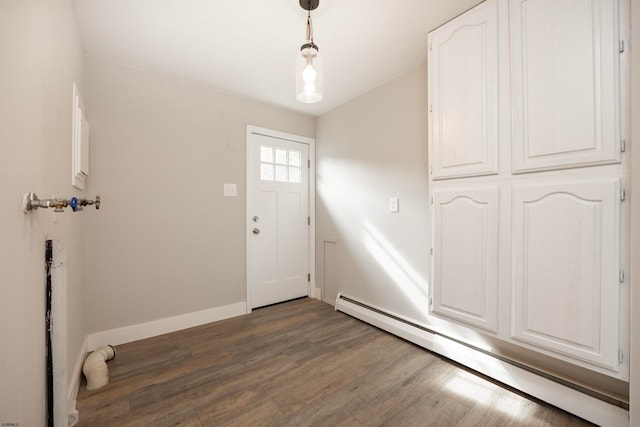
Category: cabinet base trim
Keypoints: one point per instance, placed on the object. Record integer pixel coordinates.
(588, 404)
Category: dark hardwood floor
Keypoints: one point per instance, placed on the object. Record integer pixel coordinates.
(299, 364)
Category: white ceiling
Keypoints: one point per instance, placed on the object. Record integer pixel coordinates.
(248, 47)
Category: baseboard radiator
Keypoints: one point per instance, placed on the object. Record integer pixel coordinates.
(586, 404)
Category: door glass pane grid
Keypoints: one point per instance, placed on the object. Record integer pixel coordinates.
(281, 165)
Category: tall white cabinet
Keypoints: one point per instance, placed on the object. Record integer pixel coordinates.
(528, 176)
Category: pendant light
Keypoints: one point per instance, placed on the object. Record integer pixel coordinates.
(309, 63)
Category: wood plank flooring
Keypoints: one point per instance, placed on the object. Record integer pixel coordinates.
(299, 364)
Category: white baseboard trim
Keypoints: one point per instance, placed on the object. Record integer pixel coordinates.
(590, 408)
(74, 383)
(422, 338)
(154, 328)
(317, 293)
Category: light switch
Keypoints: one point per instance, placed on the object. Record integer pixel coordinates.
(230, 190)
(393, 205)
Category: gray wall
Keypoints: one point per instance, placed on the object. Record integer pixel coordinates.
(368, 150)
(41, 56)
(166, 242)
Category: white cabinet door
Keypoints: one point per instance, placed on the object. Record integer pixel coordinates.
(466, 256)
(564, 59)
(463, 85)
(566, 263)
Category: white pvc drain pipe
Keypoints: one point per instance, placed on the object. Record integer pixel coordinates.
(95, 367)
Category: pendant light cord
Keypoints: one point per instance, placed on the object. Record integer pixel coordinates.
(309, 28)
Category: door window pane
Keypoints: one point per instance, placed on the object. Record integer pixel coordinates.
(266, 172)
(281, 173)
(294, 158)
(281, 156)
(294, 174)
(266, 154)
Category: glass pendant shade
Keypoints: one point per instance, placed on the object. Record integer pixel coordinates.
(309, 78)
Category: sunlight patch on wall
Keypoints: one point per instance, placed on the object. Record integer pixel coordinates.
(396, 267)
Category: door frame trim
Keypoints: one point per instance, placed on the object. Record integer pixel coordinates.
(311, 142)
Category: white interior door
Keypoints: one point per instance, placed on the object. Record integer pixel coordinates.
(278, 219)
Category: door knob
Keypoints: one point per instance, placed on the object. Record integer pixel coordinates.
(256, 231)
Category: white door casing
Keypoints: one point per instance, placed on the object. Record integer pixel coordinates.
(279, 229)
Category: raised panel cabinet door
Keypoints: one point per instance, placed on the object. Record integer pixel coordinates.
(466, 256)
(566, 261)
(463, 85)
(565, 85)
